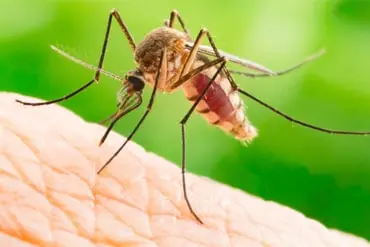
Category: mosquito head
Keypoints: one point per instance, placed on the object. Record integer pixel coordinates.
(134, 81)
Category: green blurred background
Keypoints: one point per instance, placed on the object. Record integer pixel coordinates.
(324, 176)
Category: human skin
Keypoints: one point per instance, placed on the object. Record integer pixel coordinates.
(51, 195)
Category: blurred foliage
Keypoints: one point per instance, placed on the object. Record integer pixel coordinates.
(324, 176)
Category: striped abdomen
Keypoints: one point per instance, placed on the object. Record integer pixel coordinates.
(221, 105)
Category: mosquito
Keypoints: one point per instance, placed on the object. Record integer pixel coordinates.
(169, 59)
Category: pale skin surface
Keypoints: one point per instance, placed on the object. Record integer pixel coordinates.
(51, 196)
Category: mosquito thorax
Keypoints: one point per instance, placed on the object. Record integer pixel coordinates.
(149, 51)
(134, 81)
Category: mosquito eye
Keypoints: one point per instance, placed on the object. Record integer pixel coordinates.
(137, 83)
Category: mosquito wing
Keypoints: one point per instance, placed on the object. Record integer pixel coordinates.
(207, 50)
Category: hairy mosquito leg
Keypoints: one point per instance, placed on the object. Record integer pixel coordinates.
(59, 99)
(183, 122)
(226, 71)
(195, 48)
(114, 117)
(124, 29)
(195, 72)
(186, 66)
(193, 53)
(131, 42)
(285, 71)
(186, 73)
(171, 22)
(148, 109)
(299, 122)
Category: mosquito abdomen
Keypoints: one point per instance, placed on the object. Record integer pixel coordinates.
(221, 105)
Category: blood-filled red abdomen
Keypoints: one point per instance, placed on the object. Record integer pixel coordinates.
(215, 97)
(220, 105)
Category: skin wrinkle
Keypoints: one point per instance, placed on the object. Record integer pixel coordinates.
(125, 233)
(54, 123)
(130, 225)
(112, 197)
(62, 202)
(111, 200)
(114, 192)
(14, 216)
(248, 236)
(20, 175)
(7, 168)
(79, 195)
(24, 200)
(135, 207)
(233, 234)
(21, 231)
(23, 175)
(172, 212)
(58, 205)
(13, 219)
(37, 154)
(52, 202)
(264, 228)
(8, 174)
(177, 207)
(177, 199)
(14, 241)
(124, 185)
(67, 239)
(139, 184)
(80, 151)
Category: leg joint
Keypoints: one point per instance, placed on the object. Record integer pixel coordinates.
(204, 30)
(97, 74)
(174, 12)
(113, 11)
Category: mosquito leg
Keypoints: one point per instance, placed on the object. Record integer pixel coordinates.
(299, 122)
(186, 73)
(59, 99)
(193, 53)
(195, 48)
(186, 66)
(131, 42)
(124, 29)
(226, 71)
(175, 15)
(183, 123)
(148, 109)
(195, 72)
